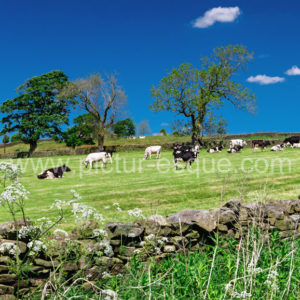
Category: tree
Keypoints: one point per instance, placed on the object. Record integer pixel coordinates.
(124, 128)
(163, 132)
(16, 138)
(5, 140)
(143, 127)
(82, 133)
(180, 127)
(194, 93)
(101, 97)
(36, 112)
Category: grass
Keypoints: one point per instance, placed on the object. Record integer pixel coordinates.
(132, 182)
(52, 145)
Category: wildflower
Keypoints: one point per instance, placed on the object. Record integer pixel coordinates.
(137, 251)
(36, 247)
(110, 295)
(59, 232)
(106, 275)
(100, 233)
(107, 248)
(27, 231)
(117, 206)
(136, 213)
(242, 295)
(9, 248)
(13, 193)
(142, 243)
(149, 237)
(12, 171)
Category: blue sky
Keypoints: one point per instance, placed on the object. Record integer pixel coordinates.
(142, 40)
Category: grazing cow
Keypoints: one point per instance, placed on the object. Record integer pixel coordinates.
(215, 149)
(97, 156)
(234, 143)
(235, 149)
(152, 149)
(54, 172)
(277, 148)
(186, 148)
(292, 140)
(260, 144)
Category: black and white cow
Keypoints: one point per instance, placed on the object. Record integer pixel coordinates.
(277, 148)
(185, 153)
(54, 172)
(235, 149)
(260, 144)
(215, 149)
(292, 140)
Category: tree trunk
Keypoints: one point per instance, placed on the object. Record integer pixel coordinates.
(4, 148)
(32, 148)
(196, 134)
(100, 142)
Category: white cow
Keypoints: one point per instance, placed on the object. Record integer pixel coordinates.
(97, 156)
(277, 148)
(152, 149)
(238, 142)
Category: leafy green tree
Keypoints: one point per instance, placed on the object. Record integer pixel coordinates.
(101, 96)
(5, 140)
(163, 132)
(16, 138)
(124, 128)
(82, 133)
(194, 93)
(37, 112)
(143, 127)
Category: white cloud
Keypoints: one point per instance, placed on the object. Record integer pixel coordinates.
(217, 14)
(264, 79)
(294, 70)
(164, 124)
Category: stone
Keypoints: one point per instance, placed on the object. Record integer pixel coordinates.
(8, 278)
(222, 227)
(169, 248)
(295, 218)
(3, 268)
(179, 241)
(255, 209)
(22, 246)
(8, 297)
(85, 230)
(205, 219)
(157, 225)
(6, 289)
(4, 259)
(127, 251)
(89, 286)
(46, 263)
(226, 215)
(115, 242)
(118, 230)
(234, 205)
(36, 282)
(274, 212)
(285, 224)
(70, 266)
(194, 234)
(8, 230)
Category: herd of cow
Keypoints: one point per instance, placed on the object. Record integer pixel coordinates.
(181, 153)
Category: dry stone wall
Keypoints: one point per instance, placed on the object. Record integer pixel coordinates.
(82, 254)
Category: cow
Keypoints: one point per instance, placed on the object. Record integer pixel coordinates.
(291, 140)
(54, 172)
(277, 148)
(235, 149)
(238, 142)
(186, 148)
(152, 149)
(97, 156)
(185, 156)
(260, 144)
(215, 149)
(296, 145)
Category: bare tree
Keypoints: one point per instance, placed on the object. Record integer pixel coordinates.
(102, 97)
(143, 127)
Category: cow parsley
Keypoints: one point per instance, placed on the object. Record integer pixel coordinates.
(28, 231)
(11, 171)
(107, 248)
(109, 295)
(9, 248)
(59, 232)
(117, 206)
(36, 247)
(14, 193)
(83, 212)
(136, 213)
(100, 233)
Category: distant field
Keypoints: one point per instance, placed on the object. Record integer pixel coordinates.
(52, 145)
(132, 182)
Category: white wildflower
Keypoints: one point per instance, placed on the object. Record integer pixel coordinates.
(157, 250)
(107, 207)
(9, 248)
(107, 248)
(100, 233)
(9, 170)
(59, 232)
(27, 231)
(13, 193)
(150, 237)
(36, 247)
(242, 295)
(136, 213)
(137, 251)
(142, 243)
(106, 275)
(110, 295)
(117, 206)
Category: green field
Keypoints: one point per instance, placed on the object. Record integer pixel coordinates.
(155, 186)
